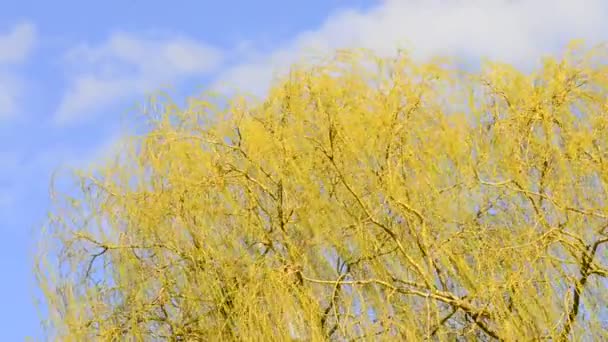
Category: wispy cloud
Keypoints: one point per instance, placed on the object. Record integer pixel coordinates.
(126, 65)
(515, 31)
(11, 91)
(15, 47)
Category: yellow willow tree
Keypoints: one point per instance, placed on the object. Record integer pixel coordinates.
(364, 198)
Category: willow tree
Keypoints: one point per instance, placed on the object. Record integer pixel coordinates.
(364, 198)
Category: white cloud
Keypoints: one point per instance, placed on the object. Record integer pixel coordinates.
(509, 30)
(127, 65)
(106, 151)
(15, 47)
(8, 98)
(91, 92)
(17, 44)
(7, 202)
(10, 93)
(515, 31)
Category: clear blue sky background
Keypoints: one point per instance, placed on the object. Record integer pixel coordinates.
(70, 70)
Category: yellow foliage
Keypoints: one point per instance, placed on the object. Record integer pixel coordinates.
(365, 198)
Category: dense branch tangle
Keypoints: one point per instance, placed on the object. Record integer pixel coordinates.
(360, 200)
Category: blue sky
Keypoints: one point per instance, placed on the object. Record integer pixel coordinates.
(71, 72)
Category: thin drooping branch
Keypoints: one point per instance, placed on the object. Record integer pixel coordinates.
(418, 290)
(579, 286)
